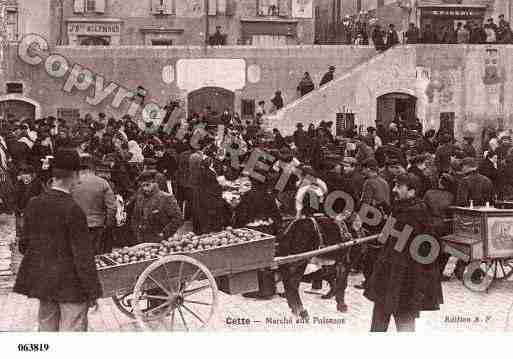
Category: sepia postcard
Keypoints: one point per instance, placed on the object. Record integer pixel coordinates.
(255, 166)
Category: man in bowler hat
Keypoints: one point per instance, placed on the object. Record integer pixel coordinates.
(58, 266)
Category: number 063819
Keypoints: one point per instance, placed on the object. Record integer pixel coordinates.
(33, 347)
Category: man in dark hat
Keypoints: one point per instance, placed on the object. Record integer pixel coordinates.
(467, 148)
(95, 196)
(375, 193)
(400, 285)
(156, 215)
(58, 265)
(444, 153)
(301, 141)
(474, 187)
(392, 37)
(328, 76)
(418, 169)
(392, 169)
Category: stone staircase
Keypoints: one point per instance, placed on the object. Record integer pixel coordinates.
(357, 89)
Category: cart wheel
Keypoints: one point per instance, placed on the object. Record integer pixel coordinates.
(179, 291)
(124, 304)
(504, 268)
(479, 275)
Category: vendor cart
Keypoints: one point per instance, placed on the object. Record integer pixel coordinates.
(185, 285)
(484, 237)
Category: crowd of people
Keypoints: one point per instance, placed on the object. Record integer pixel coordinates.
(138, 184)
(471, 32)
(363, 30)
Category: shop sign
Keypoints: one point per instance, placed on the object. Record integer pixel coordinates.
(94, 28)
(454, 12)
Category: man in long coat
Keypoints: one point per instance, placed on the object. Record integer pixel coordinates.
(58, 266)
(400, 284)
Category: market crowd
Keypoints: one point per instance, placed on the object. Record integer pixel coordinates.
(82, 188)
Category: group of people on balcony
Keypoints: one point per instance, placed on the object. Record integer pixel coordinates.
(469, 33)
(362, 31)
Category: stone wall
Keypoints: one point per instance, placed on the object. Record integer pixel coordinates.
(130, 66)
(472, 81)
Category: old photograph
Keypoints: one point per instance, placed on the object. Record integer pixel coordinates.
(256, 166)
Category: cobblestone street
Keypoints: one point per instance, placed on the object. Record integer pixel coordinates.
(463, 311)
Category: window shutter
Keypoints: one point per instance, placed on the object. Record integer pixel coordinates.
(169, 6)
(212, 7)
(221, 6)
(283, 6)
(79, 6)
(100, 6)
(231, 7)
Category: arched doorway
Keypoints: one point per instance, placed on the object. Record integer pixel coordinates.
(17, 109)
(217, 98)
(396, 105)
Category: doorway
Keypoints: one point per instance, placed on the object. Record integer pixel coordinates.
(218, 99)
(396, 106)
(17, 109)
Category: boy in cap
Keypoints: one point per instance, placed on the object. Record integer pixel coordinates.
(58, 266)
(156, 215)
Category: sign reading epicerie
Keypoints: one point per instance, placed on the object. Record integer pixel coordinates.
(94, 28)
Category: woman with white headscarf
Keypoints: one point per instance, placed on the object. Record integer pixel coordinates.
(136, 151)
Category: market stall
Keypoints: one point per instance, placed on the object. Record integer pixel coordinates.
(484, 235)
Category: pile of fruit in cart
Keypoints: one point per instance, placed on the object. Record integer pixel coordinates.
(185, 243)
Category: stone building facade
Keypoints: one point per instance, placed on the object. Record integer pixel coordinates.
(184, 22)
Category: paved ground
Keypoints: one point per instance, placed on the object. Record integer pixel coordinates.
(486, 311)
(480, 311)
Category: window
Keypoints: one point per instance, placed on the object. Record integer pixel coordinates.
(162, 42)
(93, 41)
(163, 7)
(11, 24)
(247, 108)
(358, 5)
(447, 120)
(14, 87)
(268, 7)
(381, 3)
(70, 115)
(90, 5)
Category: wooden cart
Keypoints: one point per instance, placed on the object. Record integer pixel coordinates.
(187, 284)
(485, 236)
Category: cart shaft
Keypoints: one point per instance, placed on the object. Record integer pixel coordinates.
(278, 261)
